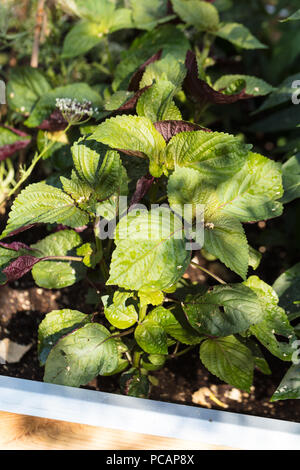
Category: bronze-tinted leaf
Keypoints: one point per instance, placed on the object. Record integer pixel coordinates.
(142, 187)
(137, 76)
(20, 266)
(15, 246)
(169, 128)
(201, 91)
(55, 122)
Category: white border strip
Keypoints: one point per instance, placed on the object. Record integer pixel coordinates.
(146, 416)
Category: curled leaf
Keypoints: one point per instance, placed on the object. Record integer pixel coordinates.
(201, 91)
(131, 102)
(12, 140)
(142, 187)
(16, 246)
(138, 74)
(169, 128)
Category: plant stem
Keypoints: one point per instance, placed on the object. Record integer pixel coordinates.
(29, 170)
(217, 278)
(124, 333)
(136, 359)
(63, 258)
(142, 313)
(180, 353)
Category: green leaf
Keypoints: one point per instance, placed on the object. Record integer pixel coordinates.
(284, 120)
(151, 337)
(57, 274)
(215, 154)
(79, 190)
(287, 287)
(81, 355)
(25, 86)
(55, 325)
(291, 179)
(167, 320)
(275, 321)
(282, 94)
(157, 103)
(152, 298)
(148, 13)
(90, 256)
(224, 310)
(259, 360)
(169, 38)
(200, 14)
(252, 193)
(289, 387)
(109, 208)
(134, 384)
(88, 33)
(294, 17)
(254, 86)
(239, 35)
(99, 168)
(187, 186)
(59, 151)
(81, 38)
(121, 19)
(254, 257)
(41, 203)
(150, 252)
(89, 9)
(134, 134)
(169, 68)
(222, 234)
(120, 312)
(47, 103)
(117, 99)
(230, 360)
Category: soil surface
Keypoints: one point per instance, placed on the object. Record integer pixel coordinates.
(182, 380)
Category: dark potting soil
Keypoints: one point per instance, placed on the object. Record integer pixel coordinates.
(183, 380)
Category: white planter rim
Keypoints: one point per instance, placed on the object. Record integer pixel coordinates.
(139, 415)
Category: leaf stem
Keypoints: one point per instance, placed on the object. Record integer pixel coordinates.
(217, 278)
(63, 258)
(180, 353)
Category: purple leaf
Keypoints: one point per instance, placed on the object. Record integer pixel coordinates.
(137, 76)
(131, 102)
(21, 229)
(142, 187)
(170, 10)
(19, 267)
(16, 246)
(60, 227)
(134, 153)
(170, 128)
(16, 131)
(201, 91)
(7, 150)
(56, 122)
